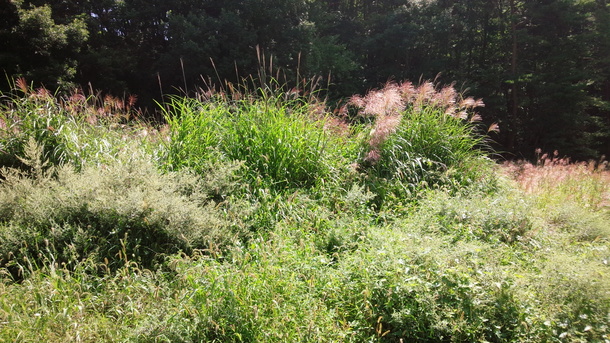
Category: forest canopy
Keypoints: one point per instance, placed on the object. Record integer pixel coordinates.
(542, 67)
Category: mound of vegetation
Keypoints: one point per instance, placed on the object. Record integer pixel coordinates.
(260, 217)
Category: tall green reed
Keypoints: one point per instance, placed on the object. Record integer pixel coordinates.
(425, 146)
(281, 144)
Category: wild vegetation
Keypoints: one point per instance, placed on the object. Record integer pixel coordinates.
(261, 217)
(541, 66)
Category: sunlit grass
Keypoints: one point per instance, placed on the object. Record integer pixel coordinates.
(74, 129)
(281, 143)
(555, 180)
(258, 220)
(573, 197)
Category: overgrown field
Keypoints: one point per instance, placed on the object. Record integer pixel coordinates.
(261, 217)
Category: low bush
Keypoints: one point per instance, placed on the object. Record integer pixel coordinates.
(499, 219)
(117, 213)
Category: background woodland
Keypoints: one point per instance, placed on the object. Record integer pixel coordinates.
(542, 67)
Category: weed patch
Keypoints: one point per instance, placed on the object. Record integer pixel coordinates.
(265, 219)
(116, 213)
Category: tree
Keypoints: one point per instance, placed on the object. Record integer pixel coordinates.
(541, 66)
(38, 48)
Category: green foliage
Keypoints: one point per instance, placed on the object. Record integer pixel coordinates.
(497, 219)
(186, 243)
(425, 290)
(32, 117)
(582, 225)
(196, 133)
(124, 211)
(258, 298)
(428, 149)
(72, 128)
(41, 49)
(281, 144)
(421, 138)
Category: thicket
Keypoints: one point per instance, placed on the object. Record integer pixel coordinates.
(261, 217)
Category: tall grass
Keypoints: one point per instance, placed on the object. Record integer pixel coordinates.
(553, 178)
(574, 196)
(429, 148)
(422, 137)
(252, 219)
(282, 144)
(195, 133)
(72, 128)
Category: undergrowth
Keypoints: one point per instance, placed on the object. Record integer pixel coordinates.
(256, 218)
(126, 211)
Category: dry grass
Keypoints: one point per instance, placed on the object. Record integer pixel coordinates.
(394, 98)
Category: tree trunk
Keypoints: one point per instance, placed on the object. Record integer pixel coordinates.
(513, 69)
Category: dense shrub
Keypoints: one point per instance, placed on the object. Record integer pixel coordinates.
(118, 212)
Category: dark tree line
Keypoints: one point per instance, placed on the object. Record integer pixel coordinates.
(542, 66)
